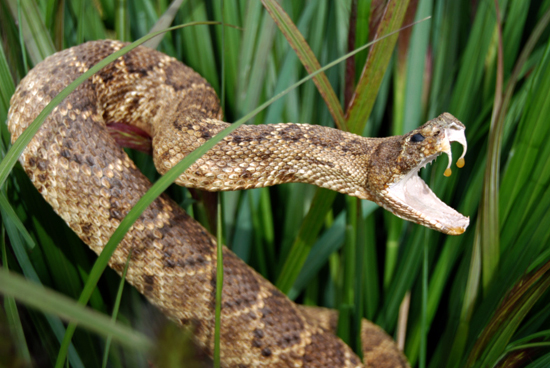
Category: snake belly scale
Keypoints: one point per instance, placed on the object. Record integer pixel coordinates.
(92, 184)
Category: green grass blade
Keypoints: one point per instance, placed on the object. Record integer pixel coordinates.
(232, 44)
(242, 238)
(266, 218)
(52, 302)
(252, 86)
(37, 40)
(512, 31)
(300, 197)
(251, 24)
(379, 56)
(8, 87)
(30, 273)
(445, 55)
(346, 308)
(301, 247)
(328, 243)
(308, 59)
(14, 321)
(471, 71)
(310, 92)
(415, 103)
(219, 284)
(489, 232)
(8, 214)
(116, 308)
(200, 55)
(257, 239)
(370, 272)
(470, 297)
(394, 229)
(80, 26)
(424, 317)
(89, 25)
(121, 23)
(527, 143)
(541, 362)
(21, 44)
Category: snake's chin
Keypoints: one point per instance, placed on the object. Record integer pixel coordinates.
(421, 205)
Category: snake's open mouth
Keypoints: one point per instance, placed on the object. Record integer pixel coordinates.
(419, 203)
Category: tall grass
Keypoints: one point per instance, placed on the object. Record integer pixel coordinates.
(476, 300)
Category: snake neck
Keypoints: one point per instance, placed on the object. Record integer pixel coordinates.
(265, 155)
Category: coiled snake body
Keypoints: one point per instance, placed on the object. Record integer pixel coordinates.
(91, 183)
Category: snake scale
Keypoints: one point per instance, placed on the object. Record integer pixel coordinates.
(92, 184)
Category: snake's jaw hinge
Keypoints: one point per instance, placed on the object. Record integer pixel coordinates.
(455, 133)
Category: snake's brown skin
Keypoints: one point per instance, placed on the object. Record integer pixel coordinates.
(92, 184)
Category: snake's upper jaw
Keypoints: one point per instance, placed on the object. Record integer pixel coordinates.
(410, 198)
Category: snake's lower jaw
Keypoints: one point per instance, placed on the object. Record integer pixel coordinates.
(411, 199)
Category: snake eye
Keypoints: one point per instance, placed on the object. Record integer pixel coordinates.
(417, 138)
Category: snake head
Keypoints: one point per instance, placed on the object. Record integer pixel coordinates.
(400, 190)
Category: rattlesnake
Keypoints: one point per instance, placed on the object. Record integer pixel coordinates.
(92, 184)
